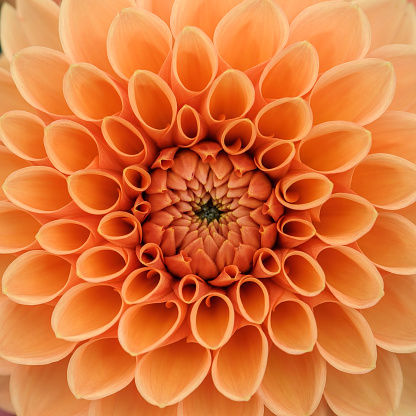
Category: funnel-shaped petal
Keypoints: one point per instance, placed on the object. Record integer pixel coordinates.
(135, 180)
(237, 136)
(294, 229)
(190, 127)
(190, 288)
(150, 255)
(266, 263)
(9, 163)
(121, 228)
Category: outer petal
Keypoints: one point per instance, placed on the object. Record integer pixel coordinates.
(161, 8)
(408, 400)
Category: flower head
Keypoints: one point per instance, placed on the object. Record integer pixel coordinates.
(207, 208)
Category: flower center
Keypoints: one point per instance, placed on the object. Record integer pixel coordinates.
(208, 211)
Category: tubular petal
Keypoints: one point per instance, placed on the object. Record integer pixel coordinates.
(36, 277)
(258, 24)
(393, 318)
(29, 384)
(351, 277)
(375, 393)
(84, 39)
(294, 229)
(137, 30)
(89, 379)
(390, 244)
(237, 136)
(408, 399)
(169, 374)
(28, 338)
(290, 73)
(121, 228)
(150, 255)
(291, 397)
(266, 263)
(366, 87)
(344, 218)
(38, 73)
(135, 180)
(190, 288)
(190, 127)
(86, 310)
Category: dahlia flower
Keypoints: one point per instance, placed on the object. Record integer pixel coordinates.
(208, 208)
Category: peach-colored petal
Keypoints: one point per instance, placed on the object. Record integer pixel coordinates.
(351, 277)
(393, 318)
(85, 39)
(375, 393)
(188, 364)
(150, 255)
(89, 379)
(338, 23)
(36, 277)
(38, 73)
(206, 400)
(340, 325)
(18, 228)
(290, 73)
(408, 399)
(212, 320)
(344, 144)
(294, 229)
(344, 218)
(366, 87)
(161, 8)
(27, 337)
(260, 25)
(293, 8)
(135, 180)
(237, 136)
(28, 387)
(281, 389)
(121, 229)
(6, 367)
(390, 244)
(149, 326)
(70, 146)
(190, 127)
(86, 310)
(91, 93)
(154, 105)
(6, 404)
(22, 133)
(138, 30)
(190, 288)
(266, 263)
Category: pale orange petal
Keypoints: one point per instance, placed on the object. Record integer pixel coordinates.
(408, 399)
(294, 229)
(190, 288)
(5, 398)
(161, 8)
(293, 8)
(190, 127)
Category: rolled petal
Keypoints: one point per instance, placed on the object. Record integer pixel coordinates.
(393, 318)
(37, 189)
(366, 87)
(146, 285)
(344, 23)
(154, 105)
(290, 73)
(408, 399)
(345, 145)
(258, 24)
(149, 326)
(188, 365)
(135, 180)
(300, 191)
(281, 391)
(237, 136)
(85, 311)
(351, 277)
(284, 119)
(38, 73)
(150, 255)
(91, 93)
(139, 30)
(266, 263)
(212, 320)
(27, 337)
(84, 40)
(291, 325)
(121, 228)
(190, 127)
(18, 228)
(340, 325)
(36, 277)
(390, 244)
(376, 393)
(22, 133)
(70, 146)
(294, 229)
(191, 288)
(89, 379)
(344, 218)
(386, 181)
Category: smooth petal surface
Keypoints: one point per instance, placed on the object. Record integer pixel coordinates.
(408, 399)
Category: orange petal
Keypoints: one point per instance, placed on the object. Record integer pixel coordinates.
(375, 393)
(351, 277)
(89, 379)
(161, 8)
(149, 326)
(408, 399)
(86, 310)
(344, 218)
(27, 337)
(237, 136)
(190, 127)
(366, 87)
(259, 25)
(266, 263)
(85, 39)
(188, 365)
(345, 145)
(5, 398)
(6, 367)
(344, 23)
(150, 255)
(390, 244)
(135, 180)
(281, 390)
(294, 229)
(393, 318)
(190, 288)
(293, 8)
(29, 383)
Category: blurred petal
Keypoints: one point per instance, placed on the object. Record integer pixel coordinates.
(408, 400)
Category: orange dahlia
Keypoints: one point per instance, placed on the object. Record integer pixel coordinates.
(208, 208)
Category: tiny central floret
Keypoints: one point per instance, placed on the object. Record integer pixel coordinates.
(208, 211)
